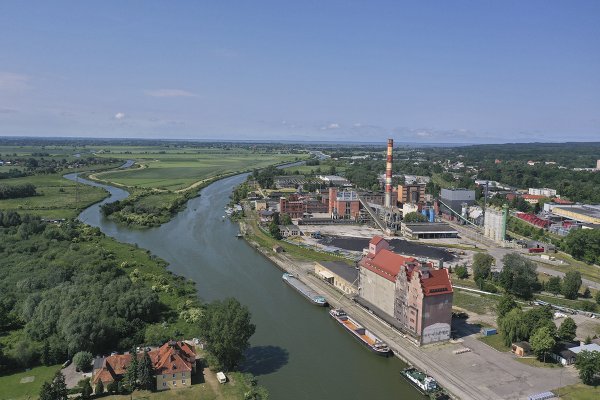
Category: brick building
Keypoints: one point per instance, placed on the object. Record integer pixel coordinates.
(344, 204)
(414, 193)
(413, 295)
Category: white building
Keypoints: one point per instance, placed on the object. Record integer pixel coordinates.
(546, 192)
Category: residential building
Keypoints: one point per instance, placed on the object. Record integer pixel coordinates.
(546, 192)
(289, 230)
(533, 198)
(341, 275)
(409, 293)
(173, 365)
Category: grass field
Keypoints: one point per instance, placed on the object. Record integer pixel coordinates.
(176, 171)
(57, 197)
(473, 302)
(11, 387)
(579, 392)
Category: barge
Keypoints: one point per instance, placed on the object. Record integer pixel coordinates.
(304, 290)
(420, 379)
(363, 335)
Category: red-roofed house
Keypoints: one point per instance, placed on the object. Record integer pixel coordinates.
(174, 363)
(415, 294)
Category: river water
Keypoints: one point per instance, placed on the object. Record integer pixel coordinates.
(298, 351)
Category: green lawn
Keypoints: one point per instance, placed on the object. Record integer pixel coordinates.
(534, 362)
(579, 391)
(11, 387)
(496, 342)
(474, 302)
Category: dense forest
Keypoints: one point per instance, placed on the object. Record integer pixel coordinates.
(64, 289)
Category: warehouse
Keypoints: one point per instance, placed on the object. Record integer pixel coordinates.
(432, 230)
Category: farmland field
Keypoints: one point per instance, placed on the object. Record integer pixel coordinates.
(176, 171)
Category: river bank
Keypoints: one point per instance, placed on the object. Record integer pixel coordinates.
(293, 338)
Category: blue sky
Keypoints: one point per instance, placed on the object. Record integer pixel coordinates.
(421, 71)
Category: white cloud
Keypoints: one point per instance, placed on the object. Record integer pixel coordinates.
(119, 116)
(12, 81)
(333, 126)
(169, 93)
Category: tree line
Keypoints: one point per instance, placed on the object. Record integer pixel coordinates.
(17, 191)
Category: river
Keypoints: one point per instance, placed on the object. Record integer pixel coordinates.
(298, 351)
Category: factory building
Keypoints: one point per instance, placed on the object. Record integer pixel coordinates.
(414, 193)
(456, 198)
(580, 213)
(296, 206)
(431, 230)
(494, 224)
(408, 293)
(344, 204)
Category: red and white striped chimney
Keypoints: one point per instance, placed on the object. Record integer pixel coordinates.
(388, 174)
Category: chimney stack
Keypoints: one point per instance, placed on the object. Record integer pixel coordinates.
(388, 174)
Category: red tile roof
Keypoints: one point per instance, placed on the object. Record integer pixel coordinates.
(385, 263)
(437, 283)
(171, 357)
(376, 240)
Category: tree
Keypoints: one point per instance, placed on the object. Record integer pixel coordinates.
(571, 284)
(414, 216)
(113, 387)
(553, 285)
(99, 389)
(505, 305)
(461, 272)
(512, 327)
(226, 328)
(56, 389)
(86, 388)
(542, 342)
(45, 357)
(537, 318)
(587, 293)
(482, 266)
(83, 360)
(588, 365)
(583, 244)
(130, 379)
(567, 330)
(146, 372)
(286, 219)
(598, 297)
(518, 275)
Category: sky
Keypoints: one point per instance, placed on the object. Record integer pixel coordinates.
(420, 71)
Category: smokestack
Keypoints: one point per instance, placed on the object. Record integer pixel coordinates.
(388, 174)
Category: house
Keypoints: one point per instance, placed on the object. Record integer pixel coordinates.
(562, 353)
(408, 293)
(341, 275)
(521, 349)
(173, 365)
(289, 230)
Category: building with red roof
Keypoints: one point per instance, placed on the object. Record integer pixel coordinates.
(417, 296)
(173, 363)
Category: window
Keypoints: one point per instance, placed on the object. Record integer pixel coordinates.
(174, 383)
(164, 384)
(164, 376)
(173, 375)
(183, 374)
(183, 381)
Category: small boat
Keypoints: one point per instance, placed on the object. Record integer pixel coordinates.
(362, 334)
(420, 379)
(239, 236)
(307, 292)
